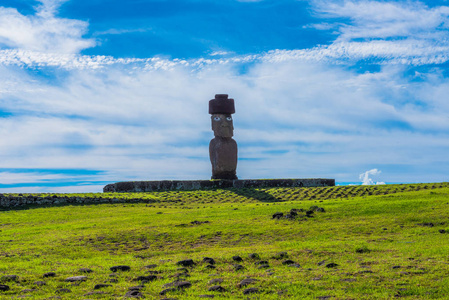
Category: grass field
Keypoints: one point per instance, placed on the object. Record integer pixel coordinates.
(371, 242)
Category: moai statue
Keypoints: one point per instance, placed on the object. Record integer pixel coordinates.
(222, 148)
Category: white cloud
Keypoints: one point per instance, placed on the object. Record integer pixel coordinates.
(42, 32)
(293, 119)
(381, 19)
(365, 177)
(406, 32)
(220, 53)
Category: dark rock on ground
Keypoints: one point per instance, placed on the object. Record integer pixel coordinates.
(199, 222)
(4, 288)
(291, 216)
(429, 224)
(120, 268)
(238, 267)
(317, 209)
(362, 250)
(209, 260)
(101, 285)
(206, 296)
(261, 262)
(76, 278)
(146, 278)
(442, 231)
(237, 258)
(210, 267)
(295, 265)
(85, 270)
(178, 284)
(151, 266)
(112, 280)
(396, 267)
(324, 297)
(277, 215)
(186, 262)
(183, 284)
(321, 263)
(280, 255)
(39, 283)
(264, 266)
(246, 282)
(178, 275)
(288, 262)
(365, 272)
(216, 288)
(215, 281)
(331, 265)
(50, 274)
(134, 294)
(250, 291)
(63, 291)
(167, 291)
(309, 213)
(254, 256)
(170, 284)
(136, 288)
(9, 278)
(25, 291)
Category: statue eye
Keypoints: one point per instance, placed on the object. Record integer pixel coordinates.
(216, 118)
(229, 119)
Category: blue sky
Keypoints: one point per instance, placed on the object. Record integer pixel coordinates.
(97, 91)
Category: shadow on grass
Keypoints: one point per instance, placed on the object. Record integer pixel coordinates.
(87, 203)
(252, 193)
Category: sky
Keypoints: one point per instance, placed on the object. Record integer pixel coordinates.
(99, 91)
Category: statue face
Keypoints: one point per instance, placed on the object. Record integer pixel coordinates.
(222, 125)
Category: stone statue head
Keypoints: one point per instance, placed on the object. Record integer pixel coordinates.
(221, 109)
(222, 125)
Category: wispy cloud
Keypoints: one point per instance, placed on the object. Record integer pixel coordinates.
(42, 32)
(120, 31)
(368, 19)
(406, 32)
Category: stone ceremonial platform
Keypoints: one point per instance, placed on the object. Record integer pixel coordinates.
(186, 185)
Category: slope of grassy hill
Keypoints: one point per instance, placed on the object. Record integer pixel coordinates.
(352, 242)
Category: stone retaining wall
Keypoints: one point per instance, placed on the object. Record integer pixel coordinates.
(150, 186)
(20, 200)
(17, 201)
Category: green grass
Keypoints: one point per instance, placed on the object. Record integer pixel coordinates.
(379, 236)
